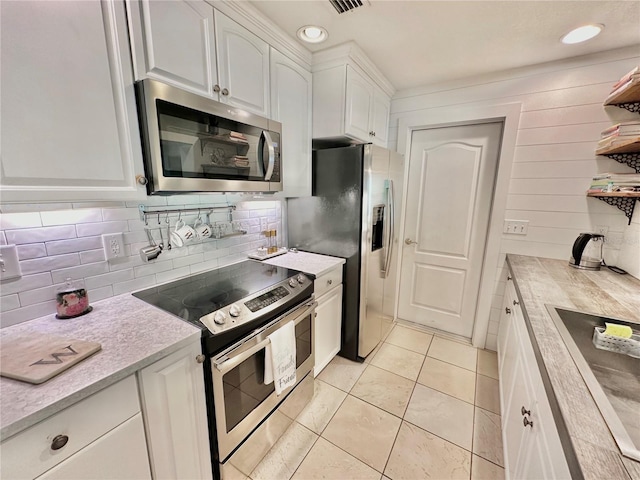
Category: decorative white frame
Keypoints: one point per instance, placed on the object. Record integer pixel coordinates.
(509, 114)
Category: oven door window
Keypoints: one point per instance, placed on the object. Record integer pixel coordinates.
(244, 387)
(199, 145)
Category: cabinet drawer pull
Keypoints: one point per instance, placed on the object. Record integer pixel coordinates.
(507, 310)
(524, 411)
(516, 302)
(329, 282)
(526, 422)
(59, 441)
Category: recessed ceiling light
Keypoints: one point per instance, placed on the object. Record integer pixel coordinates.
(312, 34)
(582, 34)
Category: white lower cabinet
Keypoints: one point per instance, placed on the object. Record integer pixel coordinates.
(80, 441)
(121, 454)
(532, 447)
(155, 428)
(174, 408)
(328, 324)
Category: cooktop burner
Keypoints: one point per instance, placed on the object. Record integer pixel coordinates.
(197, 297)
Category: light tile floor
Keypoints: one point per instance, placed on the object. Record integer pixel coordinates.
(419, 407)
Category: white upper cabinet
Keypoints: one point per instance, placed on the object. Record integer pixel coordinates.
(348, 101)
(191, 45)
(243, 66)
(175, 42)
(291, 106)
(69, 123)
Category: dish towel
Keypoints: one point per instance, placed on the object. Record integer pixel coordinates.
(280, 358)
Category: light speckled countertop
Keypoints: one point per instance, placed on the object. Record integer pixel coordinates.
(541, 281)
(133, 334)
(306, 262)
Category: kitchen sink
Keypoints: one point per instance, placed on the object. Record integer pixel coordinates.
(612, 378)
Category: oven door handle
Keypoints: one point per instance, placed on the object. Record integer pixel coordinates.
(229, 361)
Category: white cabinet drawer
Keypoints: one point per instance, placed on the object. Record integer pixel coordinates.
(327, 281)
(29, 453)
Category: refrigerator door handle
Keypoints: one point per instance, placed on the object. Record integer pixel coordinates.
(391, 228)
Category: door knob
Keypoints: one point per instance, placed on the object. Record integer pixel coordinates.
(408, 241)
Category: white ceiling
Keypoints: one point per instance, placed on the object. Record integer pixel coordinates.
(421, 42)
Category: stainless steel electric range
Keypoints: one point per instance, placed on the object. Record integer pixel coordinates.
(237, 307)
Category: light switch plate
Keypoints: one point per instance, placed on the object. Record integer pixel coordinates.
(9, 264)
(516, 227)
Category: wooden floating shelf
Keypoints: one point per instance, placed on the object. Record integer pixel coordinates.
(625, 201)
(631, 94)
(630, 146)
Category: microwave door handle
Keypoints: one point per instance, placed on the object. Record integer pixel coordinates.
(272, 155)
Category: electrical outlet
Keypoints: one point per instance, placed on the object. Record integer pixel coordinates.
(602, 230)
(113, 245)
(9, 264)
(516, 227)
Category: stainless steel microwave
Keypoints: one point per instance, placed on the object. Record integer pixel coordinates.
(191, 143)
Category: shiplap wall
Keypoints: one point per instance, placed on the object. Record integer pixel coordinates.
(560, 124)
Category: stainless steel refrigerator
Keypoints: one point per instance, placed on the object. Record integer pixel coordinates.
(354, 213)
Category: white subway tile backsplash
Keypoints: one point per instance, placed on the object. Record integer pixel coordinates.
(81, 271)
(27, 313)
(90, 229)
(37, 235)
(65, 217)
(31, 250)
(188, 260)
(64, 242)
(100, 293)
(47, 264)
(133, 285)
(108, 278)
(31, 207)
(169, 275)
(92, 256)
(10, 221)
(39, 295)
(9, 302)
(74, 245)
(25, 283)
(109, 214)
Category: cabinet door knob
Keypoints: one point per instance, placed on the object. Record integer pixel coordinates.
(225, 92)
(374, 134)
(216, 88)
(329, 282)
(59, 441)
(526, 422)
(508, 277)
(516, 302)
(524, 411)
(200, 358)
(507, 310)
(141, 179)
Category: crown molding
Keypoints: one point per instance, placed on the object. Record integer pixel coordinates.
(251, 18)
(351, 52)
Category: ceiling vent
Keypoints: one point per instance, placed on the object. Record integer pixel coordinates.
(345, 5)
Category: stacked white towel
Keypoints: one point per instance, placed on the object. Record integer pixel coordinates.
(280, 358)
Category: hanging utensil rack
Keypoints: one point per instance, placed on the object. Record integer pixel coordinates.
(145, 214)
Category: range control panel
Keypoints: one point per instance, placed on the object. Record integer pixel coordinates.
(266, 299)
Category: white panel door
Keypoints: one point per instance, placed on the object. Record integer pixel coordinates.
(179, 43)
(450, 187)
(243, 66)
(357, 105)
(291, 106)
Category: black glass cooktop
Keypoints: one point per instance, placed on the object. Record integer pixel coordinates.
(193, 297)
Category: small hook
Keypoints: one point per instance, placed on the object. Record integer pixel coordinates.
(146, 220)
(166, 219)
(179, 215)
(158, 218)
